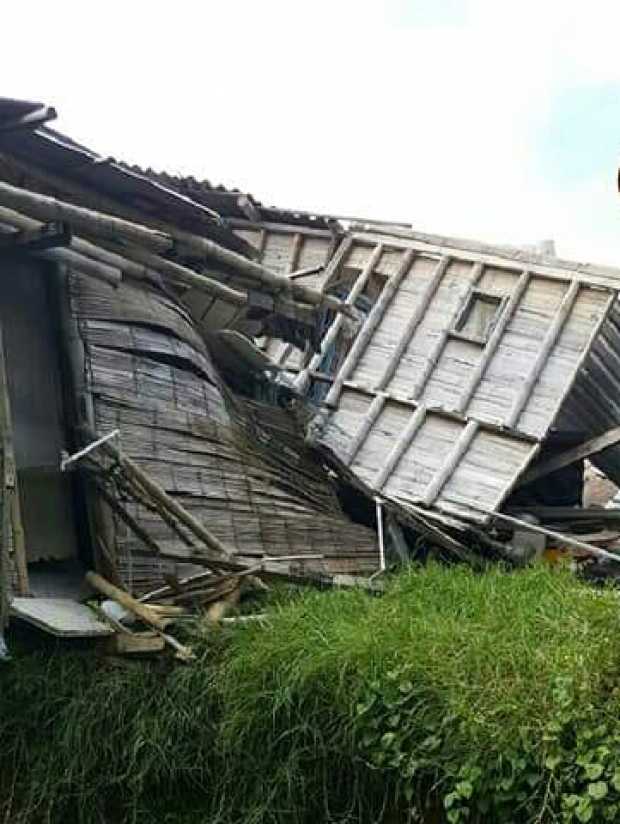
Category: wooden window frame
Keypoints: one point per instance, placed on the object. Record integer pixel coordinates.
(499, 301)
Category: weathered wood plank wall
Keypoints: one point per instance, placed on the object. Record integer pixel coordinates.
(425, 406)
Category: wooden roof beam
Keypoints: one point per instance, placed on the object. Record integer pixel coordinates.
(115, 229)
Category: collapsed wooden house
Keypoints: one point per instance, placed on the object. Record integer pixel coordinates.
(122, 307)
(471, 373)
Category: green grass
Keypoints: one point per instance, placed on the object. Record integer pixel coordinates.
(456, 696)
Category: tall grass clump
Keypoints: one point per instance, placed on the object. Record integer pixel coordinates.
(456, 696)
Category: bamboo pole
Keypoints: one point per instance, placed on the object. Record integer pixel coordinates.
(112, 228)
(80, 246)
(182, 274)
(72, 256)
(161, 496)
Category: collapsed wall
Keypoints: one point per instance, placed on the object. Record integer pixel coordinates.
(240, 467)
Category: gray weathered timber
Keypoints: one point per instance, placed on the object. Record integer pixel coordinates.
(494, 341)
(543, 353)
(413, 323)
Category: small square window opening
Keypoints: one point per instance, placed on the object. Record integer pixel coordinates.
(479, 316)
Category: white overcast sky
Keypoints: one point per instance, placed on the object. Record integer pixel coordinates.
(480, 118)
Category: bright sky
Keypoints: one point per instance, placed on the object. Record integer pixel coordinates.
(481, 118)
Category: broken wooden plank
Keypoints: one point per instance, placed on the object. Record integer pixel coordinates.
(135, 643)
(302, 379)
(576, 453)
(140, 610)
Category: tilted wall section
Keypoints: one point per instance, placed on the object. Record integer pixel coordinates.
(243, 472)
(442, 395)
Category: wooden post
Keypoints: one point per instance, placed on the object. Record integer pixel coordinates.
(10, 486)
(494, 340)
(547, 345)
(330, 338)
(370, 325)
(414, 321)
(398, 450)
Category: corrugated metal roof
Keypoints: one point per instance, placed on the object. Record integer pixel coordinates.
(20, 114)
(59, 155)
(235, 203)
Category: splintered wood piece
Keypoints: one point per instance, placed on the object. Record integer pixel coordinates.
(141, 611)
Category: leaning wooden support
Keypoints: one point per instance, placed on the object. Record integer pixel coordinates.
(329, 340)
(449, 465)
(570, 456)
(596, 551)
(494, 340)
(161, 496)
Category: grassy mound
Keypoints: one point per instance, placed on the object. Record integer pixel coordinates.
(456, 696)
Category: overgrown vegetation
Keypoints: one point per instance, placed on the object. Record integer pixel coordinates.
(456, 696)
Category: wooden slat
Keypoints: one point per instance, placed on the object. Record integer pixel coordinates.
(369, 328)
(447, 468)
(332, 333)
(298, 240)
(548, 343)
(493, 342)
(360, 436)
(440, 344)
(415, 422)
(414, 321)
